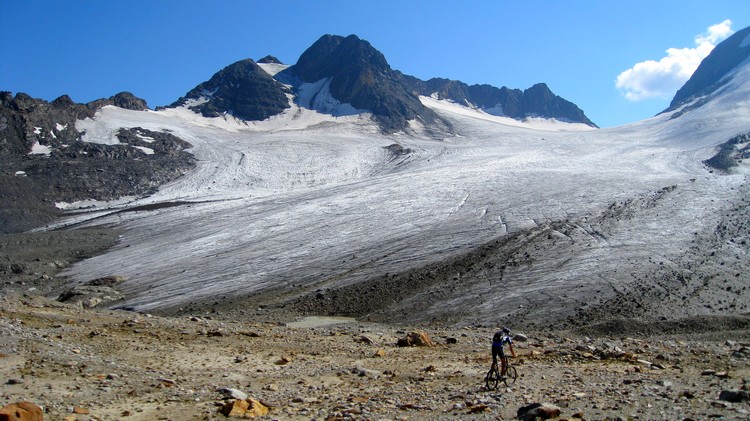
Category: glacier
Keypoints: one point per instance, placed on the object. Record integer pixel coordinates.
(305, 201)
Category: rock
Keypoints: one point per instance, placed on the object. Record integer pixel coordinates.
(21, 411)
(687, 394)
(379, 353)
(520, 337)
(734, 396)
(476, 409)
(14, 381)
(722, 375)
(233, 393)
(283, 361)
(167, 382)
(364, 372)
(536, 411)
(245, 408)
(416, 339)
(107, 281)
(89, 296)
(586, 348)
(235, 408)
(451, 341)
(271, 387)
(365, 340)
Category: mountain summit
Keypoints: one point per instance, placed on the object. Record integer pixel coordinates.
(360, 75)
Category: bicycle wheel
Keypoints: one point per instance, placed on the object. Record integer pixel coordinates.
(492, 378)
(510, 376)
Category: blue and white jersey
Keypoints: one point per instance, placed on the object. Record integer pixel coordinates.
(500, 339)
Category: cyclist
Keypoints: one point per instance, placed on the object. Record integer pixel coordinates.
(501, 338)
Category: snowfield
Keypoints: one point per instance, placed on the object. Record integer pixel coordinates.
(307, 202)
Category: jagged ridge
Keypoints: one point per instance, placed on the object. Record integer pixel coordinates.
(537, 101)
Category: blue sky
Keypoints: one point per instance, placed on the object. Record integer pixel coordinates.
(159, 50)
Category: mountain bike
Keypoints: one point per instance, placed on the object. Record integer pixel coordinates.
(494, 377)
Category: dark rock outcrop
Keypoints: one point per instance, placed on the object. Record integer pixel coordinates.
(731, 153)
(242, 89)
(712, 73)
(124, 100)
(71, 169)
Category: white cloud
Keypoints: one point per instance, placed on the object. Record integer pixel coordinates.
(661, 79)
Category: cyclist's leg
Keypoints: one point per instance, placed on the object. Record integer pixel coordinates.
(495, 353)
(504, 363)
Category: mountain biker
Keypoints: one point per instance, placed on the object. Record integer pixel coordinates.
(501, 338)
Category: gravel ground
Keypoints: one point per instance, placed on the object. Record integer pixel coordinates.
(110, 365)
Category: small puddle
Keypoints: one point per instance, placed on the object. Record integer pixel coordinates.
(319, 321)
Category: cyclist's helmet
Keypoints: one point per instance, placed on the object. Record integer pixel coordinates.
(506, 331)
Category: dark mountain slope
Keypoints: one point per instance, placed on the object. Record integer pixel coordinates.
(711, 73)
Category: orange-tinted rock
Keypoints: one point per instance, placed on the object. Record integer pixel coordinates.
(21, 411)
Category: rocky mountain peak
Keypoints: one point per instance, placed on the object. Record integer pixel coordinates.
(241, 89)
(269, 59)
(361, 76)
(334, 55)
(129, 101)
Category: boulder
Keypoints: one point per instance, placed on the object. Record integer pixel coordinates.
(21, 411)
(233, 393)
(536, 411)
(734, 396)
(247, 408)
(520, 337)
(416, 339)
(235, 408)
(88, 296)
(256, 409)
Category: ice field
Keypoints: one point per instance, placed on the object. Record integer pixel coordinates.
(307, 200)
